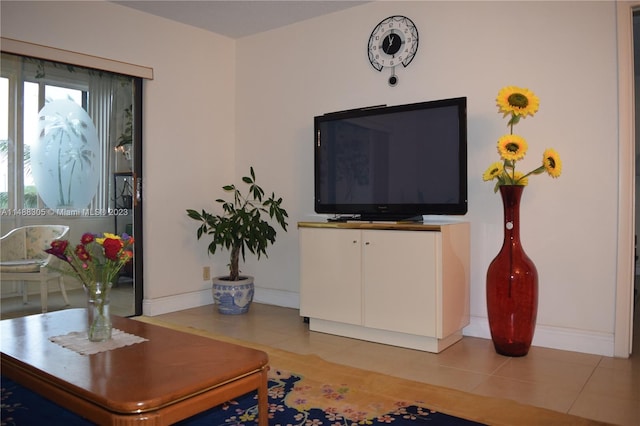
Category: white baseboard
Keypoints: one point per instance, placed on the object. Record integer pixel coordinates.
(269, 296)
(565, 339)
(179, 302)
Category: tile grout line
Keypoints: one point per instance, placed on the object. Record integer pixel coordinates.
(586, 382)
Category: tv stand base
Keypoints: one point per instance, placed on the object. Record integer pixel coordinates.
(404, 340)
(376, 218)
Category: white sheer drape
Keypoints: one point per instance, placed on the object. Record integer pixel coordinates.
(100, 109)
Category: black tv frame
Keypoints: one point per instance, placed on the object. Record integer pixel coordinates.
(394, 212)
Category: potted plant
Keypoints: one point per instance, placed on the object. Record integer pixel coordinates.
(242, 226)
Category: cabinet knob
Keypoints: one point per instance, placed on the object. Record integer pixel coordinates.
(367, 243)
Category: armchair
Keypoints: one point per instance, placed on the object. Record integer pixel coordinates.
(22, 258)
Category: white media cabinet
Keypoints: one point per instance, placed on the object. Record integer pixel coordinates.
(401, 284)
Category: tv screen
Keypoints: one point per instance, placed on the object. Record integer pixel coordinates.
(392, 163)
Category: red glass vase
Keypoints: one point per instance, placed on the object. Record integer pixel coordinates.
(512, 285)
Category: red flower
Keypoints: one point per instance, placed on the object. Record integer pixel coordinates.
(112, 248)
(87, 238)
(58, 248)
(82, 253)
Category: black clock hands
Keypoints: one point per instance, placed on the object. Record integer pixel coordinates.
(391, 45)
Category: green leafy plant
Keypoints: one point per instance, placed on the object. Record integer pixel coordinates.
(242, 225)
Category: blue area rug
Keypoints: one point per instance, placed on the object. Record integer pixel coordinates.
(287, 406)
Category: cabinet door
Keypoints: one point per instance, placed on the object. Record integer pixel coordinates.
(330, 278)
(400, 274)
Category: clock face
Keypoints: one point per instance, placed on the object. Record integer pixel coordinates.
(393, 41)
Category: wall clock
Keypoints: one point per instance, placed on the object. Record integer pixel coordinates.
(392, 42)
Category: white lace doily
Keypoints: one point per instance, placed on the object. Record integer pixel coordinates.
(78, 342)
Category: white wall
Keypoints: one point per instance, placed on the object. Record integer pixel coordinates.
(563, 51)
(200, 133)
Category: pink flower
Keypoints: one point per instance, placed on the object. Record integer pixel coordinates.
(87, 238)
(82, 253)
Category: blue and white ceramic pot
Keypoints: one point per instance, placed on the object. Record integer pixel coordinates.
(233, 297)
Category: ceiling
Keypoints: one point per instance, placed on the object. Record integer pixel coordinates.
(238, 18)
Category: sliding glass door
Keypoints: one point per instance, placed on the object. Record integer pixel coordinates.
(70, 153)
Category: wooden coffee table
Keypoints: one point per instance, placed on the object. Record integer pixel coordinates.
(168, 378)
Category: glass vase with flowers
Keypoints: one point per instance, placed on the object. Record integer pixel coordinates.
(512, 277)
(96, 262)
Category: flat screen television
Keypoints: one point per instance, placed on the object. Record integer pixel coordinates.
(392, 163)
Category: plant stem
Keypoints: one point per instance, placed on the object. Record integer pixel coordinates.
(234, 270)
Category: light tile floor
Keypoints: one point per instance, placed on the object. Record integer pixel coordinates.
(591, 386)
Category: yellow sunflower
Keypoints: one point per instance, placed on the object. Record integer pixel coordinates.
(512, 147)
(520, 178)
(517, 101)
(552, 162)
(493, 171)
